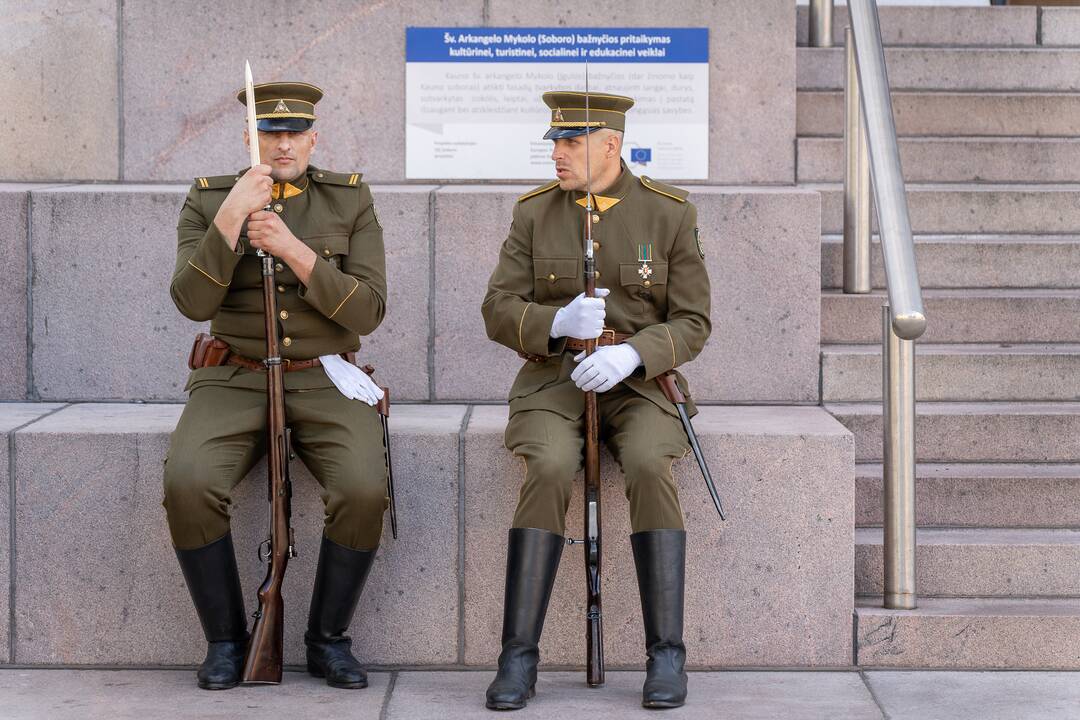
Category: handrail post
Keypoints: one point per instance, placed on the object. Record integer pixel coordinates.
(856, 179)
(898, 415)
(821, 27)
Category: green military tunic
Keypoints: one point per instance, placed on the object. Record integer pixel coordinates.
(662, 302)
(220, 435)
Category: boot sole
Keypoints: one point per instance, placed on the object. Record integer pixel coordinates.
(316, 672)
(512, 706)
(661, 704)
(217, 686)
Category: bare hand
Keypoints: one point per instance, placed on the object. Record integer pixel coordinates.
(268, 233)
(251, 192)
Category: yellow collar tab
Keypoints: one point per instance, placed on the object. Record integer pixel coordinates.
(601, 203)
(289, 190)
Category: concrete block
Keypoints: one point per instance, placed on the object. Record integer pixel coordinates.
(992, 69)
(976, 316)
(974, 432)
(752, 112)
(64, 54)
(1015, 160)
(14, 205)
(12, 416)
(974, 633)
(987, 695)
(967, 372)
(745, 695)
(1060, 26)
(118, 273)
(978, 208)
(962, 261)
(980, 495)
(954, 26)
(107, 535)
(979, 562)
(771, 586)
(180, 108)
(761, 248)
(137, 694)
(821, 113)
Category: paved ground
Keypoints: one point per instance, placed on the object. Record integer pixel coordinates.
(458, 695)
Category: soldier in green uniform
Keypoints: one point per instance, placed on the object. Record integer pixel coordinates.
(322, 228)
(652, 317)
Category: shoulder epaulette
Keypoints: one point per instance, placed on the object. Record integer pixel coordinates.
(670, 191)
(540, 190)
(332, 178)
(216, 182)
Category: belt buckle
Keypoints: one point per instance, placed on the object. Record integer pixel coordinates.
(287, 363)
(606, 331)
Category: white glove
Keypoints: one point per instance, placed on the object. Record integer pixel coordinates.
(353, 382)
(583, 318)
(605, 368)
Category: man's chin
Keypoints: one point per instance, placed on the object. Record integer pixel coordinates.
(569, 184)
(287, 174)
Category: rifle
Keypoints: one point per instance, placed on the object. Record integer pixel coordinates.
(263, 660)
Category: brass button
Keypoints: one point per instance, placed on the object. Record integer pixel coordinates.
(597, 274)
(595, 219)
(279, 267)
(318, 175)
(595, 245)
(326, 251)
(286, 341)
(551, 277)
(285, 314)
(236, 179)
(278, 207)
(647, 283)
(281, 288)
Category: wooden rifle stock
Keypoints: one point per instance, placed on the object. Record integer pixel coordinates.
(594, 633)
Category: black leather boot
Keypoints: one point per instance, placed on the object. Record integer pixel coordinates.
(214, 583)
(660, 559)
(338, 584)
(532, 557)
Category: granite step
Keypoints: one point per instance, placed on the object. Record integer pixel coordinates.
(955, 160)
(820, 113)
(966, 208)
(88, 504)
(972, 261)
(958, 372)
(979, 562)
(960, 315)
(979, 495)
(953, 26)
(951, 68)
(971, 633)
(974, 431)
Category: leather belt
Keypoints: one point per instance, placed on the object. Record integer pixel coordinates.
(287, 365)
(607, 337)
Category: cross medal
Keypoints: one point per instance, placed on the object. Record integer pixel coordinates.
(645, 257)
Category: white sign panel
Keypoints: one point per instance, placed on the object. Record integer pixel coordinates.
(473, 109)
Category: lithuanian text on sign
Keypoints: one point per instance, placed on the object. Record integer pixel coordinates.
(473, 108)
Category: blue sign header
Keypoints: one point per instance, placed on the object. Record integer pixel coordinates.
(559, 44)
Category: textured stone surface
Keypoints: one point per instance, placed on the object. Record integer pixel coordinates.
(180, 108)
(12, 416)
(1016, 160)
(976, 316)
(762, 251)
(771, 586)
(985, 695)
(980, 495)
(979, 562)
(14, 202)
(743, 695)
(134, 695)
(107, 532)
(64, 53)
(1060, 26)
(752, 111)
(125, 262)
(974, 432)
(957, 26)
(851, 373)
(948, 113)
(970, 633)
(965, 208)
(980, 261)
(950, 68)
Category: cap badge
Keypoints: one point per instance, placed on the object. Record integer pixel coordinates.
(281, 107)
(558, 115)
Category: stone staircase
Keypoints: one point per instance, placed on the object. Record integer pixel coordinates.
(985, 103)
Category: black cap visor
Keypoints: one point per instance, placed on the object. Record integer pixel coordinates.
(284, 124)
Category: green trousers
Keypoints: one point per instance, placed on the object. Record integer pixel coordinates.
(222, 434)
(644, 439)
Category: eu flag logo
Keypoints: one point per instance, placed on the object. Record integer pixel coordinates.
(640, 156)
